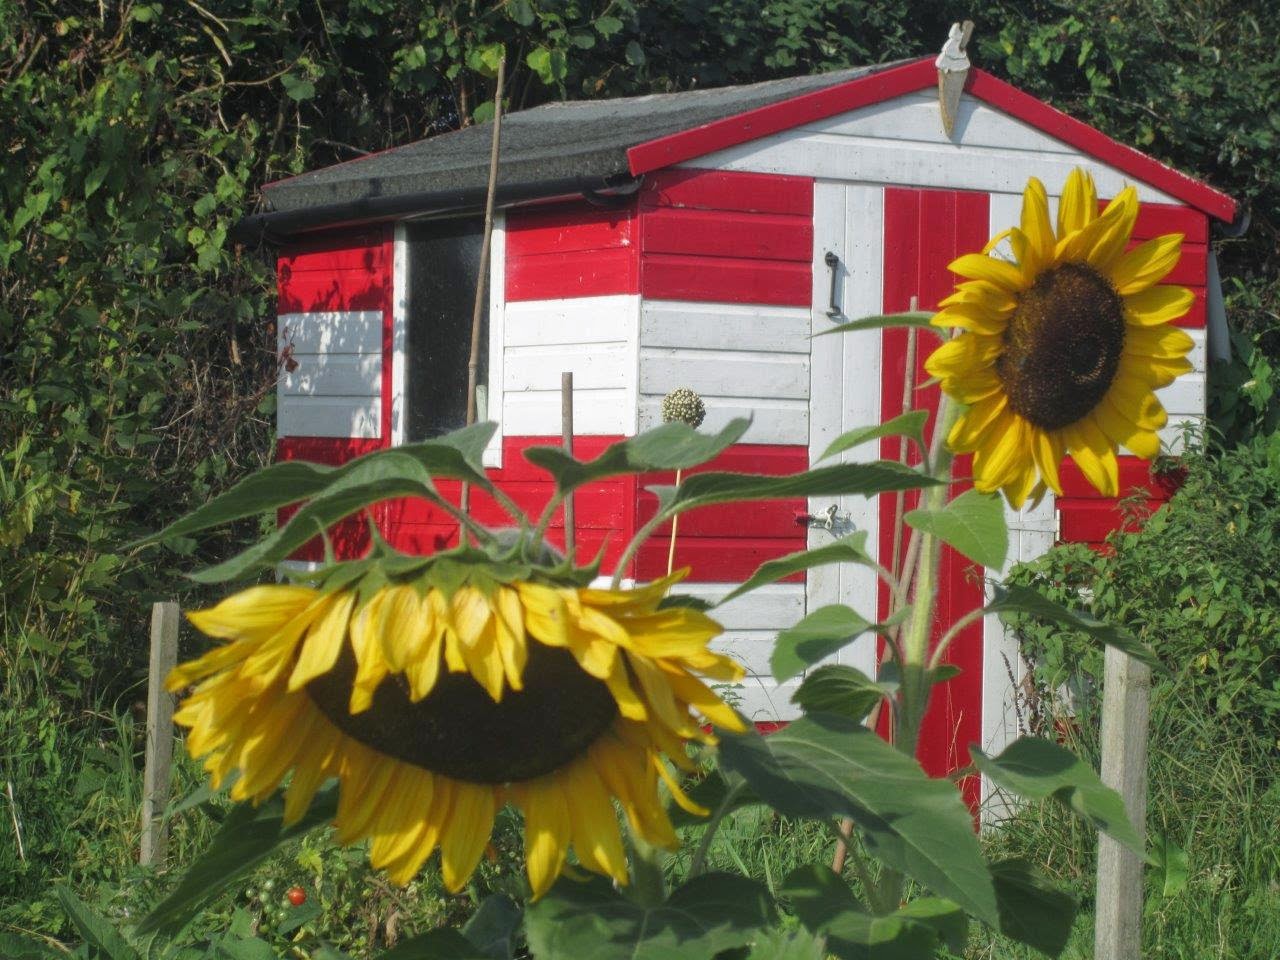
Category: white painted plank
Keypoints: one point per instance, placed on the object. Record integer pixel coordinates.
(724, 373)
(575, 320)
(909, 163)
(594, 366)
(595, 412)
(761, 700)
(728, 326)
(329, 416)
(773, 421)
(775, 606)
(399, 330)
(333, 375)
(338, 331)
(914, 117)
(492, 456)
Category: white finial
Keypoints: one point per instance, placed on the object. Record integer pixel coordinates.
(954, 57)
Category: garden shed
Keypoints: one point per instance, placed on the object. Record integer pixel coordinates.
(700, 240)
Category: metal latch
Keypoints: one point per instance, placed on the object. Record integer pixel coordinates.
(829, 520)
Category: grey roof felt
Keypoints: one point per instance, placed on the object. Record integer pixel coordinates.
(550, 144)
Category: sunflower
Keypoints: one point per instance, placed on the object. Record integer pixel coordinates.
(435, 705)
(1063, 346)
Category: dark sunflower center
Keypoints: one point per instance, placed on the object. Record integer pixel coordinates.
(1062, 346)
(458, 731)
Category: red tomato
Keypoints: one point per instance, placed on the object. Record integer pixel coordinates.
(297, 896)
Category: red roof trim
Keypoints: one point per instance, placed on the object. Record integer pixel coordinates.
(763, 121)
(1097, 144)
(918, 75)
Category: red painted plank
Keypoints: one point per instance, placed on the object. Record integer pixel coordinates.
(1157, 219)
(1092, 520)
(763, 121)
(1135, 474)
(588, 273)
(725, 280)
(345, 250)
(567, 228)
(1097, 144)
(725, 190)
(318, 292)
(725, 234)
(332, 451)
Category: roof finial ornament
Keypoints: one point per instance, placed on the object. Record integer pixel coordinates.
(953, 68)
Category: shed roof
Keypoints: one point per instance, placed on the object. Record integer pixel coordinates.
(572, 147)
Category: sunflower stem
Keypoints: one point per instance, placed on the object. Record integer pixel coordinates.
(699, 861)
(647, 882)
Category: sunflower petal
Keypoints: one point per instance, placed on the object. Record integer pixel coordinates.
(1122, 430)
(1079, 204)
(547, 829)
(1036, 227)
(1120, 216)
(1094, 455)
(972, 427)
(469, 826)
(1157, 305)
(323, 642)
(1001, 273)
(1047, 448)
(1146, 264)
(1166, 343)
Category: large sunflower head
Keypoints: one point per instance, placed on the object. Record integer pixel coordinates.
(1062, 347)
(435, 699)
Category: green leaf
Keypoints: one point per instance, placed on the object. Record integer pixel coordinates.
(443, 944)
(1032, 911)
(296, 88)
(840, 689)
(1172, 869)
(709, 914)
(521, 11)
(672, 446)
(861, 479)
(248, 948)
(93, 180)
(815, 638)
(247, 837)
(828, 766)
(850, 549)
(1038, 769)
(495, 926)
(919, 319)
(608, 26)
(100, 936)
(909, 425)
(825, 905)
(635, 54)
(715, 791)
(455, 455)
(973, 523)
(539, 61)
(14, 947)
(1015, 598)
(798, 944)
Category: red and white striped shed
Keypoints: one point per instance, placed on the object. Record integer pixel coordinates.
(689, 240)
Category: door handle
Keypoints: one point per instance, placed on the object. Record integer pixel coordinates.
(833, 264)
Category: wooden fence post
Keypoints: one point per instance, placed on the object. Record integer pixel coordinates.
(1126, 712)
(155, 777)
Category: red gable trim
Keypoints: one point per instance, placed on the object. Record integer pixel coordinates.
(919, 75)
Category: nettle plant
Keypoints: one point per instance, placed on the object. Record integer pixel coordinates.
(405, 699)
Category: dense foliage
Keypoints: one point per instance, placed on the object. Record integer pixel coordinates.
(137, 358)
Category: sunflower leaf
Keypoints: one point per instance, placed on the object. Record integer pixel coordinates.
(495, 927)
(842, 690)
(98, 932)
(1016, 598)
(1038, 769)
(708, 915)
(455, 455)
(972, 523)
(860, 479)
(672, 446)
(247, 837)
(1032, 911)
(909, 425)
(798, 944)
(825, 905)
(921, 319)
(850, 549)
(824, 766)
(443, 944)
(820, 634)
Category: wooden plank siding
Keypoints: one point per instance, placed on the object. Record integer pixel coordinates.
(563, 250)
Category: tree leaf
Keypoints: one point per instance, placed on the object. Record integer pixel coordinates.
(827, 766)
(672, 446)
(850, 549)
(973, 523)
(862, 479)
(455, 455)
(1038, 769)
(909, 425)
(99, 934)
(246, 838)
(1015, 598)
(843, 690)
(634, 54)
(1032, 911)
(709, 914)
(815, 638)
(521, 11)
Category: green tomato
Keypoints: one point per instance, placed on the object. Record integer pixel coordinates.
(268, 885)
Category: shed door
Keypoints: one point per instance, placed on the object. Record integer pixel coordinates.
(844, 388)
